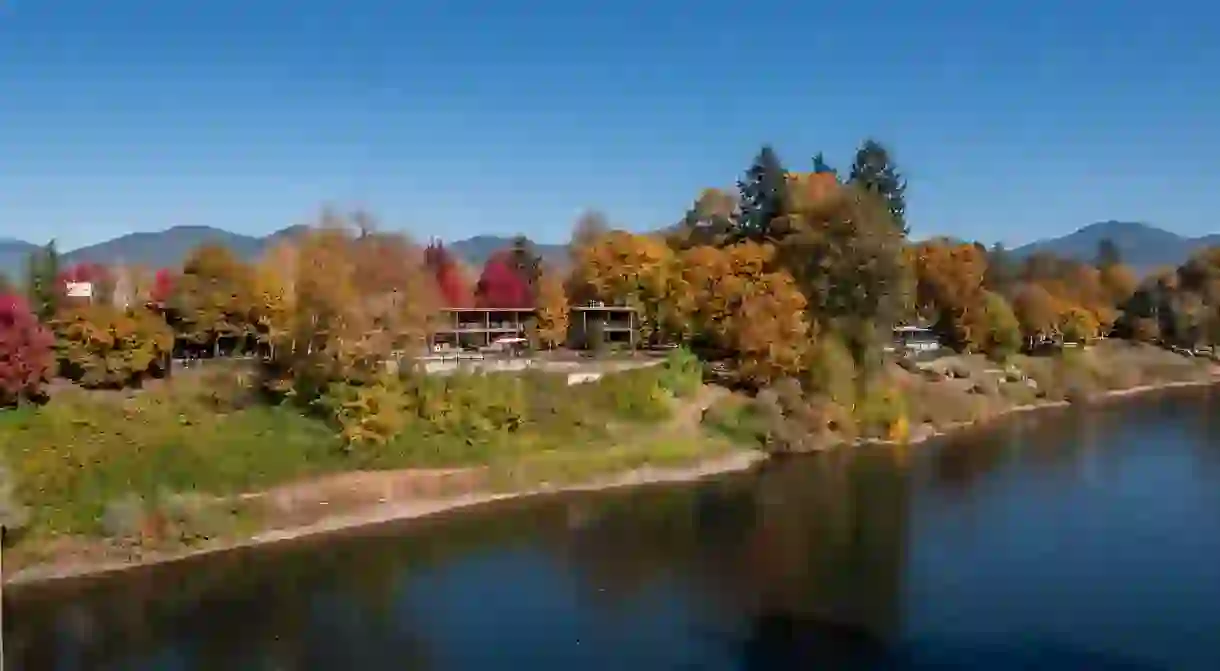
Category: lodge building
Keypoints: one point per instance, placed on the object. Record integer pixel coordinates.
(464, 328)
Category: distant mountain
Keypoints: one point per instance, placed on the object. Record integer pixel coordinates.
(163, 248)
(1142, 246)
(168, 248)
(13, 254)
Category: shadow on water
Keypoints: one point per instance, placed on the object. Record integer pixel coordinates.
(1082, 540)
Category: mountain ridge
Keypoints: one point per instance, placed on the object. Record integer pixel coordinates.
(1142, 246)
(168, 248)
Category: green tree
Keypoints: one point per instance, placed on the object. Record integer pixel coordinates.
(42, 282)
(763, 195)
(1003, 338)
(850, 261)
(874, 170)
(821, 166)
(214, 299)
(1001, 275)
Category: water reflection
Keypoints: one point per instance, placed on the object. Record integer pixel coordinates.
(1084, 540)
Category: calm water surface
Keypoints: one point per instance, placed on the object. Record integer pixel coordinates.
(1079, 540)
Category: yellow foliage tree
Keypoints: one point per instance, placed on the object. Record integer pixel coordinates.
(275, 295)
(356, 299)
(213, 299)
(621, 268)
(552, 327)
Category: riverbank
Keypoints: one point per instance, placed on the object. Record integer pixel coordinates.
(637, 434)
(1116, 394)
(385, 513)
(953, 395)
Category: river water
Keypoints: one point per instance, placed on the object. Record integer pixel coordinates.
(1073, 539)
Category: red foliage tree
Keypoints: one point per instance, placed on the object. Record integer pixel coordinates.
(85, 272)
(163, 286)
(450, 280)
(26, 356)
(501, 286)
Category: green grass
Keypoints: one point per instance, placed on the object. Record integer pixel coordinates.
(74, 458)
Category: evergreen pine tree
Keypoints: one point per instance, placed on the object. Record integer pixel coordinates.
(42, 274)
(875, 171)
(821, 166)
(764, 195)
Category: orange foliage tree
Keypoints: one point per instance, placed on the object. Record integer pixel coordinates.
(729, 302)
(949, 290)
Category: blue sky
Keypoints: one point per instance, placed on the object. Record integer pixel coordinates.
(1013, 121)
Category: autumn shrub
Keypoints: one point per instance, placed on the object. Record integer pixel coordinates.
(102, 346)
(791, 421)
(367, 415)
(880, 408)
(634, 394)
(26, 356)
(681, 373)
(738, 420)
(832, 371)
(468, 404)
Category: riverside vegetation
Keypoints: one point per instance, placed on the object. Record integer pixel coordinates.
(785, 291)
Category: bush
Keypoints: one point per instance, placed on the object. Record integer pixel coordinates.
(101, 346)
(787, 421)
(634, 394)
(26, 356)
(371, 414)
(682, 373)
(880, 410)
(1003, 330)
(832, 371)
(738, 420)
